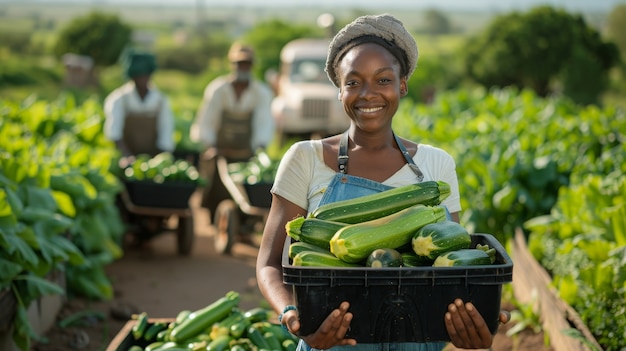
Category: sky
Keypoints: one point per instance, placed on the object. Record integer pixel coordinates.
(579, 5)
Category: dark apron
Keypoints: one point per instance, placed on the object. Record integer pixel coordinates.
(233, 143)
(141, 131)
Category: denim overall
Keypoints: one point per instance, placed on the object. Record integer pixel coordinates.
(344, 186)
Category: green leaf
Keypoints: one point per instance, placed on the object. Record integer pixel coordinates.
(47, 251)
(33, 214)
(74, 184)
(41, 286)
(577, 334)
(92, 230)
(618, 262)
(64, 201)
(29, 235)
(22, 251)
(23, 332)
(57, 224)
(14, 201)
(596, 248)
(73, 253)
(89, 282)
(40, 198)
(5, 181)
(13, 169)
(544, 172)
(619, 225)
(8, 225)
(5, 207)
(567, 289)
(8, 271)
(503, 199)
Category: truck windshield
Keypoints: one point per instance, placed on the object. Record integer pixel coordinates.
(309, 70)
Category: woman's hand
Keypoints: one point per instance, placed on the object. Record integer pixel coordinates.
(330, 333)
(467, 328)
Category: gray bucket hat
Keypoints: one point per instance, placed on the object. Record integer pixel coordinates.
(383, 26)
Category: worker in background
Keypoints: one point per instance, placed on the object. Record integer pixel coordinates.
(234, 120)
(139, 118)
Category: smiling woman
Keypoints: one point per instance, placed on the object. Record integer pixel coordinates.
(369, 61)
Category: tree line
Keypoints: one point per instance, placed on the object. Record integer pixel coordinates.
(546, 49)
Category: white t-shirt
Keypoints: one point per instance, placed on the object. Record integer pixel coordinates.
(302, 175)
(125, 99)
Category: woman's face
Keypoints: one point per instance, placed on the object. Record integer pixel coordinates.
(371, 86)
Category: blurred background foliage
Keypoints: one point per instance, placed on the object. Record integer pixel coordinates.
(546, 49)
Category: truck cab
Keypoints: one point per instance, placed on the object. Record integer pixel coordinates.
(306, 102)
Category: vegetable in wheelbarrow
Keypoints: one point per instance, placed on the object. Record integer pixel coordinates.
(162, 168)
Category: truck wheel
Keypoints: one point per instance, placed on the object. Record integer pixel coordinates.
(185, 235)
(226, 222)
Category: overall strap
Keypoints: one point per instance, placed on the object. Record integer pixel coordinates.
(342, 159)
(409, 160)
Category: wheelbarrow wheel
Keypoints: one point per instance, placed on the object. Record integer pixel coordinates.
(227, 224)
(185, 235)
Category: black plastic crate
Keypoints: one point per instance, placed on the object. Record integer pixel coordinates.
(162, 195)
(399, 304)
(259, 194)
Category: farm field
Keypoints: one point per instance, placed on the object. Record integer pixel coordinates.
(543, 165)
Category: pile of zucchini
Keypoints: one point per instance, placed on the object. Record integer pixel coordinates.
(162, 168)
(404, 226)
(259, 169)
(219, 326)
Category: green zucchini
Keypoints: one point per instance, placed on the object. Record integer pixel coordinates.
(256, 337)
(170, 346)
(411, 259)
(320, 259)
(181, 316)
(153, 330)
(489, 250)
(258, 314)
(384, 257)
(220, 343)
(353, 243)
(140, 326)
(153, 346)
(272, 341)
(237, 330)
(435, 239)
(223, 327)
(281, 333)
(299, 246)
(463, 257)
(313, 230)
(243, 343)
(164, 335)
(370, 207)
(200, 320)
(289, 345)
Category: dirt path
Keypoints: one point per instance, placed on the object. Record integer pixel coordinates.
(160, 282)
